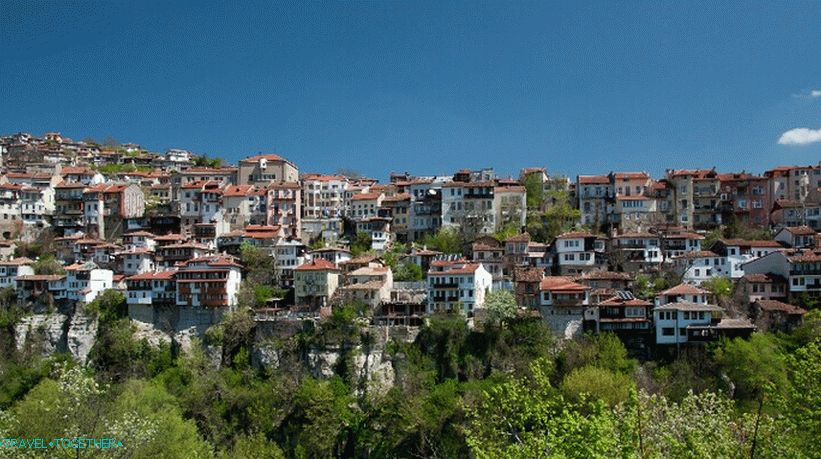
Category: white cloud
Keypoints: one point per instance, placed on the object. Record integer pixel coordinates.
(800, 136)
(815, 93)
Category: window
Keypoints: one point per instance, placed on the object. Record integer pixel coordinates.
(667, 331)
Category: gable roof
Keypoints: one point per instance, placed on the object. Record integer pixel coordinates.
(561, 284)
(317, 264)
(684, 289)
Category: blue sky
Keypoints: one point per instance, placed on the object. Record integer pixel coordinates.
(425, 87)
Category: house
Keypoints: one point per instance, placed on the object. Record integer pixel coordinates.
(335, 255)
(315, 282)
(167, 256)
(801, 268)
(82, 283)
(35, 287)
(596, 196)
(488, 251)
(10, 269)
(265, 169)
(288, 255)
(762, 286)
(243, 205)
(578, 252)
(323, 196)
(626, 316)
(510, 205)
(135, 261)
(470, 207)
(798, 237)
(200, 202)
(379, 230)
(737, 252)
(526, 282)
(397, 208)
(425, 208)
(365, 205)
(284, 201)
(139, 240)
(562, 304)
(208, 282)
(150, 290)
(605, 284)
(457, 284)
(744, 197)
(682, 321)
(405, 307)
(370, 285)
(697, 267)
(516, 252)
(682, 292)
(635, 251)
(772, 315)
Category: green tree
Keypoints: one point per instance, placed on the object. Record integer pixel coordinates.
(720, 287)
(500, 306)
(361, 243)
(408, 272)
(535, 191)
(47, 264)
(599, 383)
(446, 240)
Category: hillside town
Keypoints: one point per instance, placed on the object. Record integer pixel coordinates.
(662, 262)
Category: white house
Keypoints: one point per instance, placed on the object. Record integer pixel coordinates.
(563, 303)
(82, 282)
(697, 267)
(457, 283)
(10, 269)
(673, 319)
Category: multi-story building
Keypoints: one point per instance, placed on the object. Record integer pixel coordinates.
(736, 252)
(682, 321)
(563, 303)
(425, 208)
(801, 268)
(365, 205)
(744, 197)
(397, 208)
(683, 183)
(10, 269)
(315, 282)
(285, 207)
(510, 205)
(68, 208)
(106, 206)
(578, 252)
(81, 283)
(244, 205)
(208, 282)
(200, 202)
(265, 169)
(457, 284)
(370, 285)
(323, 196)
(595, 194)
(797, 237)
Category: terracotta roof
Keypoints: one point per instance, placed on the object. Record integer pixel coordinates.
(524, 237)
(800, 230)
(41, 277)
(773, 305)
(169, 237)
(594, 180)
(631, 175)
(763, 278)
(17, 261)
(317, 264)
(139, 234)
(561, 284)
(242, 190)
(619, 301)
(684, 289)
(365, 196)
(370, 285)
(158, 275)
(528, 274)
(370, 271)
(256, 158)
(687, 306)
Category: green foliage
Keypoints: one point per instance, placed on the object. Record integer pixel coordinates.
(205, 161)
(361, 243)
(446, 240)
(598, 383)
(108, 169)
(535, 190)
(408, 272)
(720, 287)
(47, 264)
(507, 231)
(604, 350)
(109, 306)
(559, 217)
(648, 287)
(500, 306)
(117, 355)
(754, 366)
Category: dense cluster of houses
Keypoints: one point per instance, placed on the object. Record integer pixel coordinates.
(168, 231)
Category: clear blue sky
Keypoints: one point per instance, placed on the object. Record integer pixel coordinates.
(425, 87)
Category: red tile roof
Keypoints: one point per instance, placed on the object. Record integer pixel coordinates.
(317, 264)
(561, 284)
(774, 305)
(684, 289)
(594, 180)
